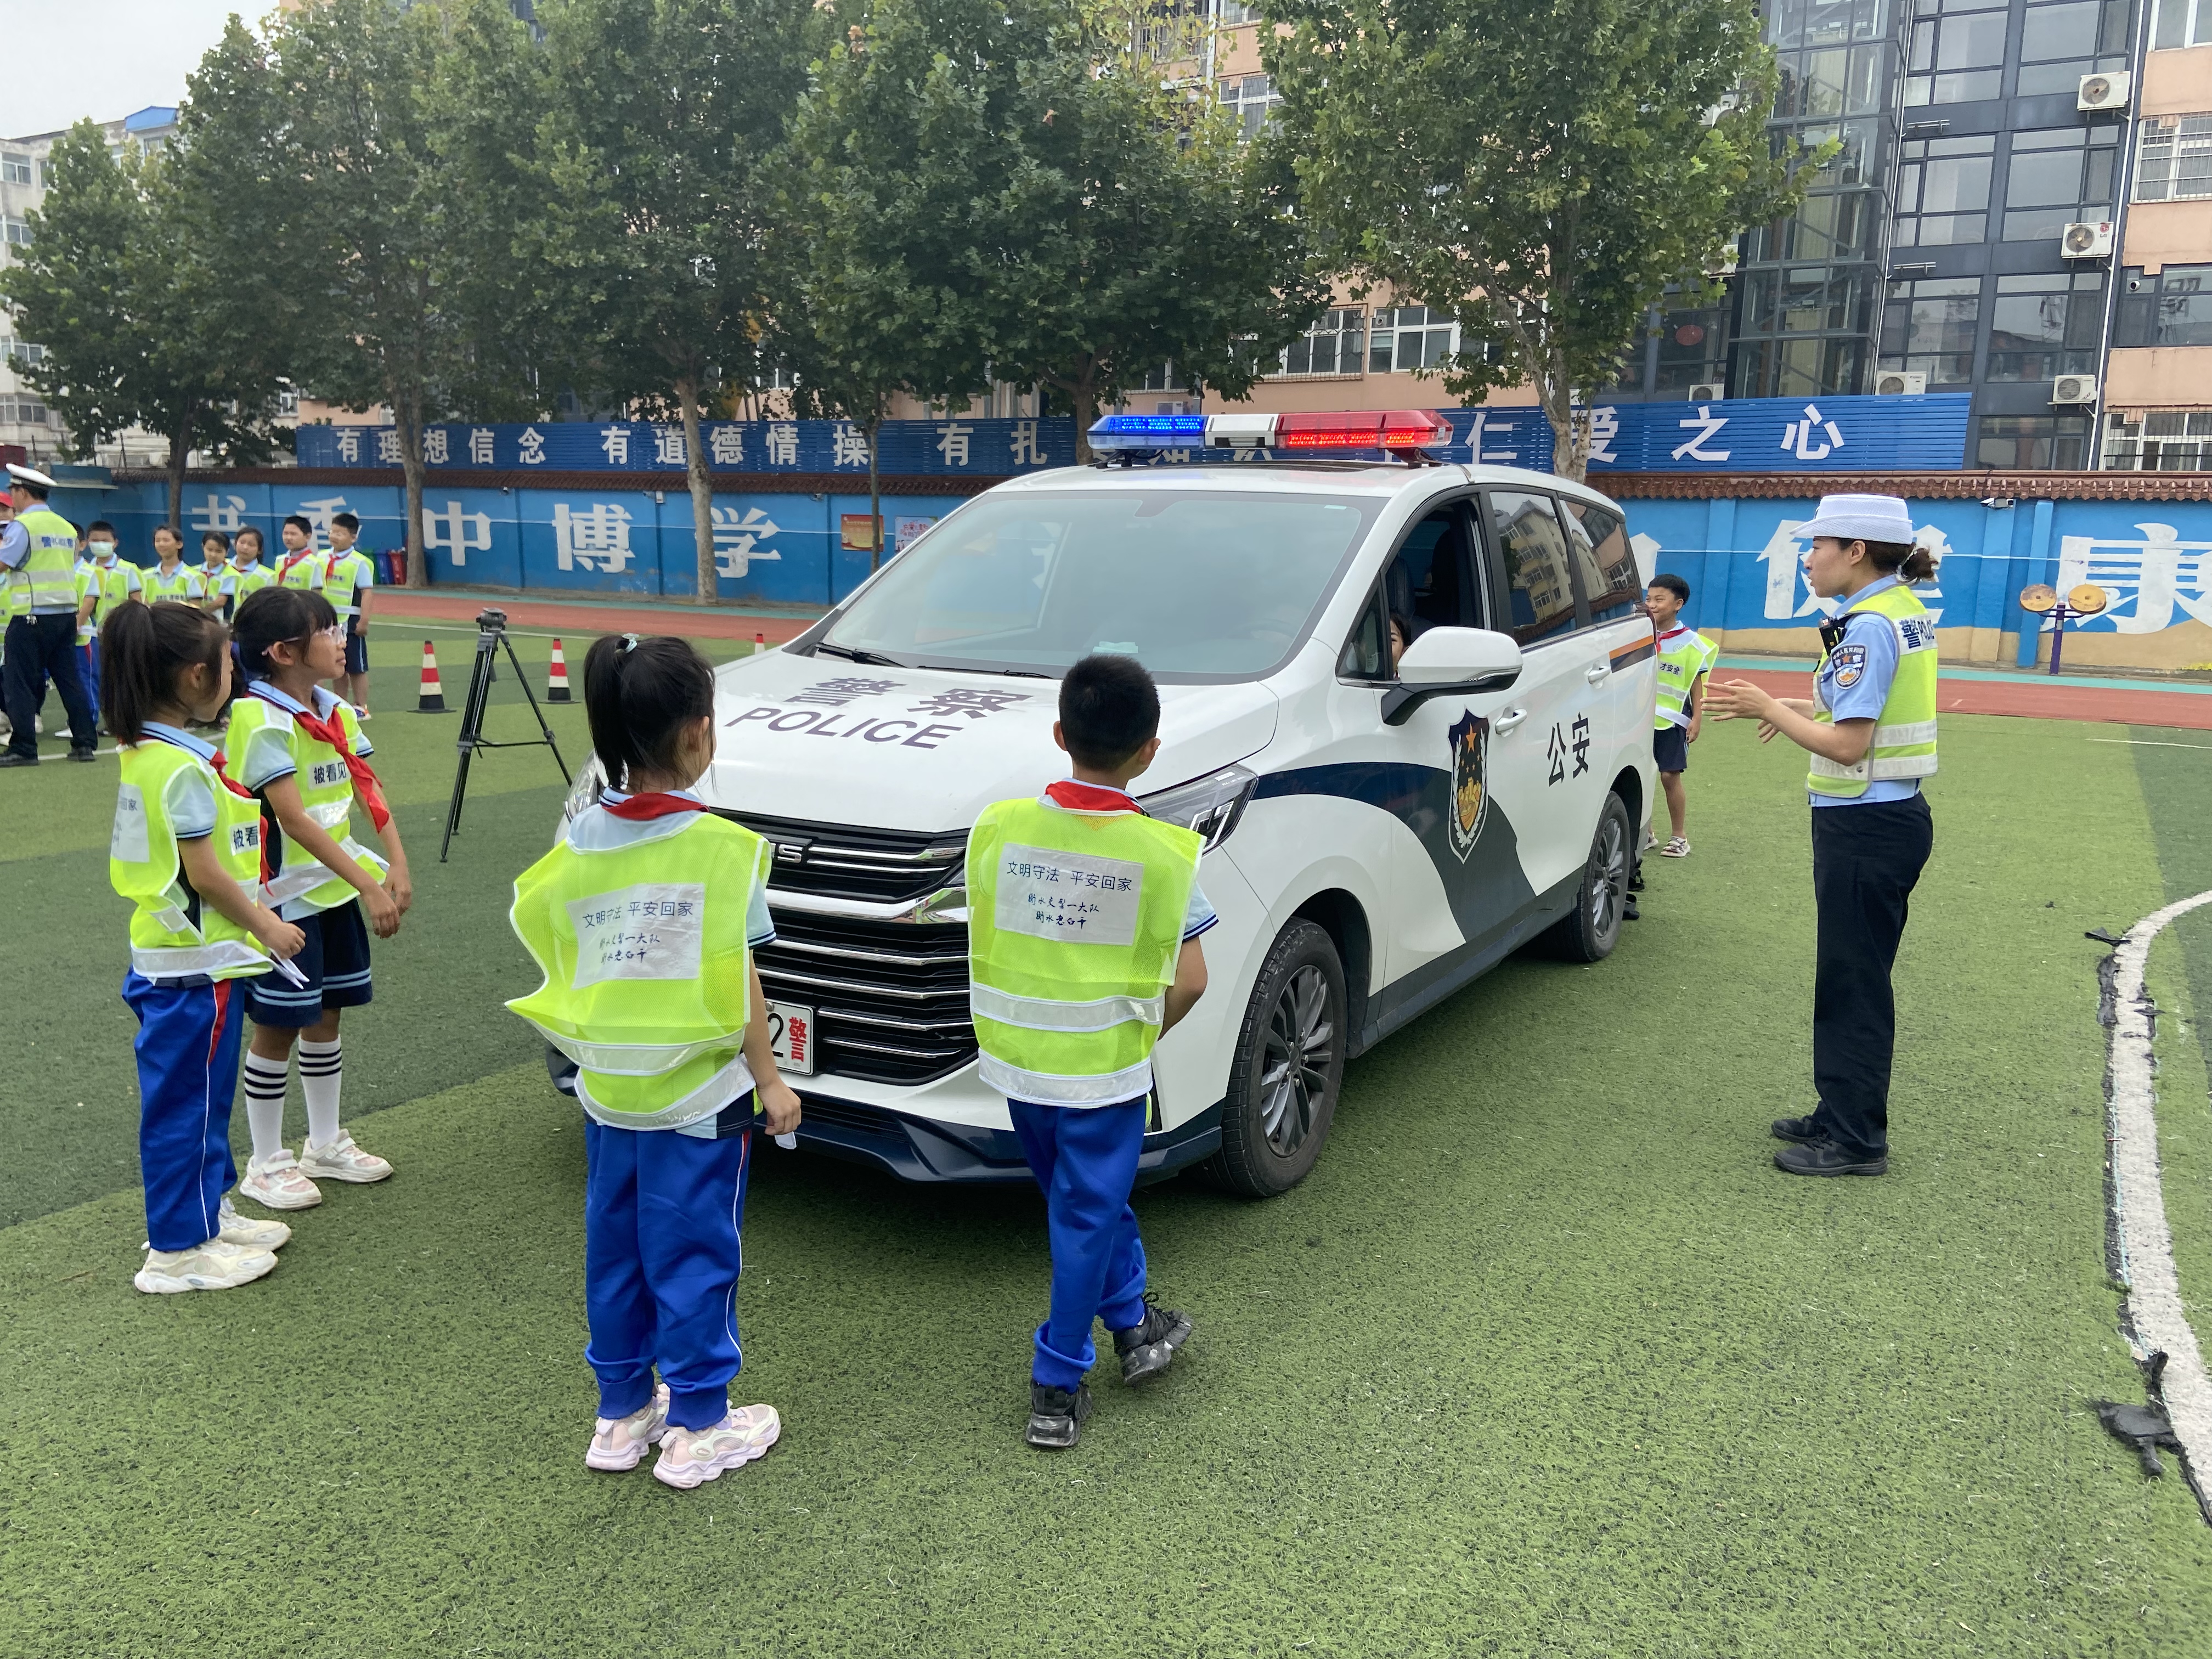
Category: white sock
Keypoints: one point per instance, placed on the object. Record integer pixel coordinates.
(321, 1071)
(265, 1103)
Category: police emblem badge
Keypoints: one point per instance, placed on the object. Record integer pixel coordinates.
(1470, 781)
(1847, 665)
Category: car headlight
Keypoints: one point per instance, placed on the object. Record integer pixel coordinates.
(589, 783)
(1211, 805)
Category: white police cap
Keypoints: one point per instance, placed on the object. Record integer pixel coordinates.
(30, 475)
(1860, 519)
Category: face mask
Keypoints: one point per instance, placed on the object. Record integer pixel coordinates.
(103, 551)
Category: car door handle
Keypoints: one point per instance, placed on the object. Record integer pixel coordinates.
(1594, 674)
(1506, 721)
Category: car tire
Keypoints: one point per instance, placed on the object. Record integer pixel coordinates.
(1289, 1066)
(1592, 928)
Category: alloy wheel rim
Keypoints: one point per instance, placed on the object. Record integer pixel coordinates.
(1612, 884)
(1296, 1059)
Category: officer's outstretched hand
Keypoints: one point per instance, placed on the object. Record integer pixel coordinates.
(779, 1101)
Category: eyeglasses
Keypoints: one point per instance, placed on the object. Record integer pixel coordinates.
(335, 631)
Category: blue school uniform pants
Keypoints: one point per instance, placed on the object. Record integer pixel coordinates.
(187, 1049)
(1084, 1158)
(662, 1212)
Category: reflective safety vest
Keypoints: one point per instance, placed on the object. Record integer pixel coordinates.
(342, 581)
(1904, 733)
(642, 947)
(49, 569)
(302, 570)
(1679, 664)
(173, 932)
(180, 585)
(109, 585)
(1074, 924)
(250, 579)
(325, 790)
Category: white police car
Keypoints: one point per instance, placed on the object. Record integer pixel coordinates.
(1380, 828)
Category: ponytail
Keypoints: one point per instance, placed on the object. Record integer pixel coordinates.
(639, 694)
(1906, 561)
(144, 650)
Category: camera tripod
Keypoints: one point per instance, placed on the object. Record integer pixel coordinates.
(491, 638)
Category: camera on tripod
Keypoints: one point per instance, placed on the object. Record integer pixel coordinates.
(491, 622)
(491, 638)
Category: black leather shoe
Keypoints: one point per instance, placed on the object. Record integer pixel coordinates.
(11, 758)
(1824, 1158)
(81, 755)
(1056, 1416)
(1148, 1349)
(1799, 1129)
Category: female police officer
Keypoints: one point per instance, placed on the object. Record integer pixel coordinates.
(1870, 729)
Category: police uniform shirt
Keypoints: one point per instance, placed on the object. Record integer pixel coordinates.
(1855, 684)
(602, 832)
(267, 756)
(1069, 795)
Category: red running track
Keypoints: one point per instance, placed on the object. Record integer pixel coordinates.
(701, 622)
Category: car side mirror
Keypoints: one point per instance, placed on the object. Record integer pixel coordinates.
(1450, 662)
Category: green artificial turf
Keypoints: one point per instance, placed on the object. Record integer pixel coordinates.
(1544, 1359)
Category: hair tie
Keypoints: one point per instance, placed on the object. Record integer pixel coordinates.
(630, 643)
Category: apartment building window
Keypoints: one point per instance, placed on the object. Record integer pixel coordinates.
(1928, 328)
(2044, 327)
(2173, 308)
(1839, 80)
(2060, 44)
(2159, 441)
(1229, 12)
(1332, 346)
(14, 169)
(1249, 98)
(1161, 377)
(2182, 23)
(23, 354)
(1957, 52)
(16, 232)
(1942, 194)
(1408, 337)
(2174, 160)
(2057, 178)
(22, 411)
(1692, 349)
(2033, 443)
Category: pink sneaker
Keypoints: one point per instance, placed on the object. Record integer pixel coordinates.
(618, 1442)
(690, 1457)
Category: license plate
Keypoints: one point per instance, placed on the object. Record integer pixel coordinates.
(791, 1037)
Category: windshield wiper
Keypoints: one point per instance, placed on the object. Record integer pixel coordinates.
(874, 658)
(1010, 673)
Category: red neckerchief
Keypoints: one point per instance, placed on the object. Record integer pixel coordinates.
(367, 787)
(292, 563)
(654, 804)
(1090, 797)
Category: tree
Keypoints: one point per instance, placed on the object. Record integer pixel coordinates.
(141, 317)
(1543, 173)
(655, 214)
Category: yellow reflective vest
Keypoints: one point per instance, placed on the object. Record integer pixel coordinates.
(47, 577)
(1074, 924)
(1690, 654)
(1904, 744)
(325, 788)
(173, 933)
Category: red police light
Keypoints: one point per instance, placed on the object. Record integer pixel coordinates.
(1362, 428)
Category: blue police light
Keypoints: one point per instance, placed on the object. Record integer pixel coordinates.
(1148, 432)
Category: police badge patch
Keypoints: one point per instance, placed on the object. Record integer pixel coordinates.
(1847, 665)
(1470, 781)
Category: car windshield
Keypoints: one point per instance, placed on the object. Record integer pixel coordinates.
(1199, 585)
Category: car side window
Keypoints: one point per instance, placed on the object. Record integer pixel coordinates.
(1366, 654)
(1604, 563)
(1534, 551)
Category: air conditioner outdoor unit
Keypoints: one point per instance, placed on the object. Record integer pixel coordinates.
(2108, 91)
(2074, 389)
(1894, 382)
(2090, 240)
(1707, 391)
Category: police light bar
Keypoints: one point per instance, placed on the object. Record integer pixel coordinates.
(1409, 434)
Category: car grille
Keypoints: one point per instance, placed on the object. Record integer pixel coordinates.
(890, 998)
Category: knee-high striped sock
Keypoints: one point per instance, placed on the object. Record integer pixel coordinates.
(265, 1103)
(321, 1071)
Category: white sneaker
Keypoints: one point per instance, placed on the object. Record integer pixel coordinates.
(1679, 848)
(690, 1457)
(619, 1442)
(251, 1232)
(217, 1265)
(276, 1181)
(1651, 838)
(342, 1161)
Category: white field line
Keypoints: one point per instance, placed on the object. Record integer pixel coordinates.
(2146, 1244)
(2148, 743)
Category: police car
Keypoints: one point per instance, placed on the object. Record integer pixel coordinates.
(1408, 706)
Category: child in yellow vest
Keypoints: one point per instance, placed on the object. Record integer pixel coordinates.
(300, 749)
(171, 578)
(1084, 917)
(1686, 657)
(643, 921)
(185, 850)
(215, 572)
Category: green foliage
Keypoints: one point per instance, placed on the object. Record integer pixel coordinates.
(1544, 173)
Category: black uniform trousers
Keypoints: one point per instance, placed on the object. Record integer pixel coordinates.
(41, 648)
(1866, 859)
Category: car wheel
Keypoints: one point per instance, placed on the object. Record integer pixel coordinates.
(1284, 1082)
(1592, 928)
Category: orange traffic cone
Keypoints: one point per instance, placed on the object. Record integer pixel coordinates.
(556, 686)
(760, 643)
(432, 699)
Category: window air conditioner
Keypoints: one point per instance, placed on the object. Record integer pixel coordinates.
(2074, 389)
(2087, 240)
(1894, 382)
(2107, 91)
(1707, 391)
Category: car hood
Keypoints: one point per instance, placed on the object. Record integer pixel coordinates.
(828, 741)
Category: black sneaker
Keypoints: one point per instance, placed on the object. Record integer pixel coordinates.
(81, 755)
(1147, 1349)
(1824, 1158)
(1056, 1416)
(11, 758)
(1799, 1129)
